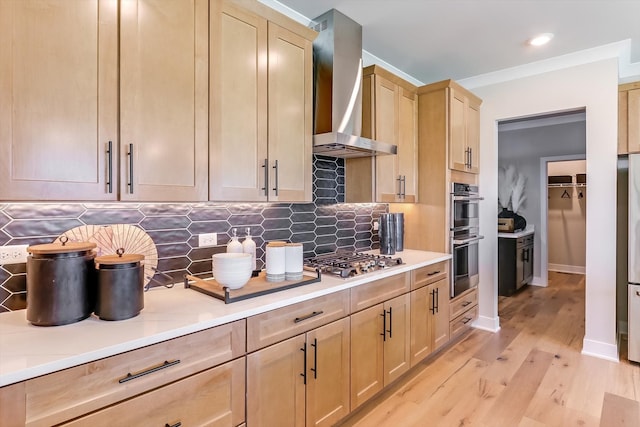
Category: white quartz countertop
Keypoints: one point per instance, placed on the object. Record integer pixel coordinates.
(28, 351)
(529, 229)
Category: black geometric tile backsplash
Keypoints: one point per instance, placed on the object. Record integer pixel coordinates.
(324, 226)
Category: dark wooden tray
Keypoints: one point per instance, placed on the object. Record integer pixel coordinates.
(255, 287)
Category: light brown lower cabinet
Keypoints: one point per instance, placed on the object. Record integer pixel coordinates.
(463, 311)
(379, 347)
(214, 397)
(429, 319)
(12, 405)
(301, 381)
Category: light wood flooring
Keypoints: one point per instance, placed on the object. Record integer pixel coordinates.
(529, 374)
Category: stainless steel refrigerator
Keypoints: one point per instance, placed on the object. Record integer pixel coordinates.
(634, 257)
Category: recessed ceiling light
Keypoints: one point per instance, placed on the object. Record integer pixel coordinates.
(541, 39)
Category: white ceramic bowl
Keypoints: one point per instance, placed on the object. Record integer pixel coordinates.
(232, 270)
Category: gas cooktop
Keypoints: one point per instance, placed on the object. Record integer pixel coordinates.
(349, 264)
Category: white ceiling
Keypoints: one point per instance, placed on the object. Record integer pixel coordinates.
(432, 40)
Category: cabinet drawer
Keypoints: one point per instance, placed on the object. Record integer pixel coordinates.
(277, 325)
(375, 292)
(432, 273)
(214, 397)
(462, 322)
(462, 303)
(67, 394)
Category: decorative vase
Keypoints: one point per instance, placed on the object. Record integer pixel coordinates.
(519, 223)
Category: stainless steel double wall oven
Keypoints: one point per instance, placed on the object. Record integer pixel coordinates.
(465, 236)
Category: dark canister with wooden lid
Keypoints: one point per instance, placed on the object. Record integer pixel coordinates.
(60, 282)
(120, 292)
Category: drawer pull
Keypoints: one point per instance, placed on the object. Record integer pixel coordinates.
(433, 273)
(466, 303)
(178, 424)
(308, 316)
(131, 376)
(466, 320)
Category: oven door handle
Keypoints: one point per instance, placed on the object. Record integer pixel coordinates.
(466, 242)
(467, 198)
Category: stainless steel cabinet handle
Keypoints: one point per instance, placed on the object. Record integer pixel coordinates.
(399, 179)
(437, 293)
(110, 167)
(265, 165)
(404, 186)
(130, 183)
(384, 325)
(308, 316)
(315, 358)
(470, 157)
(275, 166)
(164, 365)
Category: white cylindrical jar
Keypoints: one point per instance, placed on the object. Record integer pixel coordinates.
(293, 262)
(275, 260)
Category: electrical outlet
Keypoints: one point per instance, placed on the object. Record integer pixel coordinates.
(13, 254)
(376, 225)
(207, 239)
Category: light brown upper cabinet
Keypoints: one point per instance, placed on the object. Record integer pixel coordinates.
(58, 109)
(261, 105)
(59, 127)
(163, 100)
(389, 114)
(459, 117)
(629, 118)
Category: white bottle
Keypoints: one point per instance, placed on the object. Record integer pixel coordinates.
(234, 245)
(249, 247)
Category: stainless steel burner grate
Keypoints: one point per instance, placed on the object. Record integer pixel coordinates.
(348, 264)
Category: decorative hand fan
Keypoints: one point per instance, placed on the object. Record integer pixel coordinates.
(109, 238)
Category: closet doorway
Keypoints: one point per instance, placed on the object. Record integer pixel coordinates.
(563, 215)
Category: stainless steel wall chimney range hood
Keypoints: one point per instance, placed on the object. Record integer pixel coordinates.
(337, 92)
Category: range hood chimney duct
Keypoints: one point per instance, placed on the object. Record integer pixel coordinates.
(337, 91)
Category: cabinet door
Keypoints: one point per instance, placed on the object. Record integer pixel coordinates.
(458, 157)
(386, 130)
(407, 144)
(367, 352)
(58, 109)
(328, 374)
(238, 93)
(275, 385)
(633, 121)
(397, 352)
(421, 312)
(214, 397)
(164, 100)
(12, 405)
(290, 116)
(473, 137)
(440, 317)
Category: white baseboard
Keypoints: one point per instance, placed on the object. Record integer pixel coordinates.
(562, 268)
(600, 350)
(491, 324)
(537, 281)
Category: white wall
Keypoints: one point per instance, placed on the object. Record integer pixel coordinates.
(592, 86)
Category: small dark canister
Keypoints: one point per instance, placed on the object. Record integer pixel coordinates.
(60, 282)
(120, 290)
